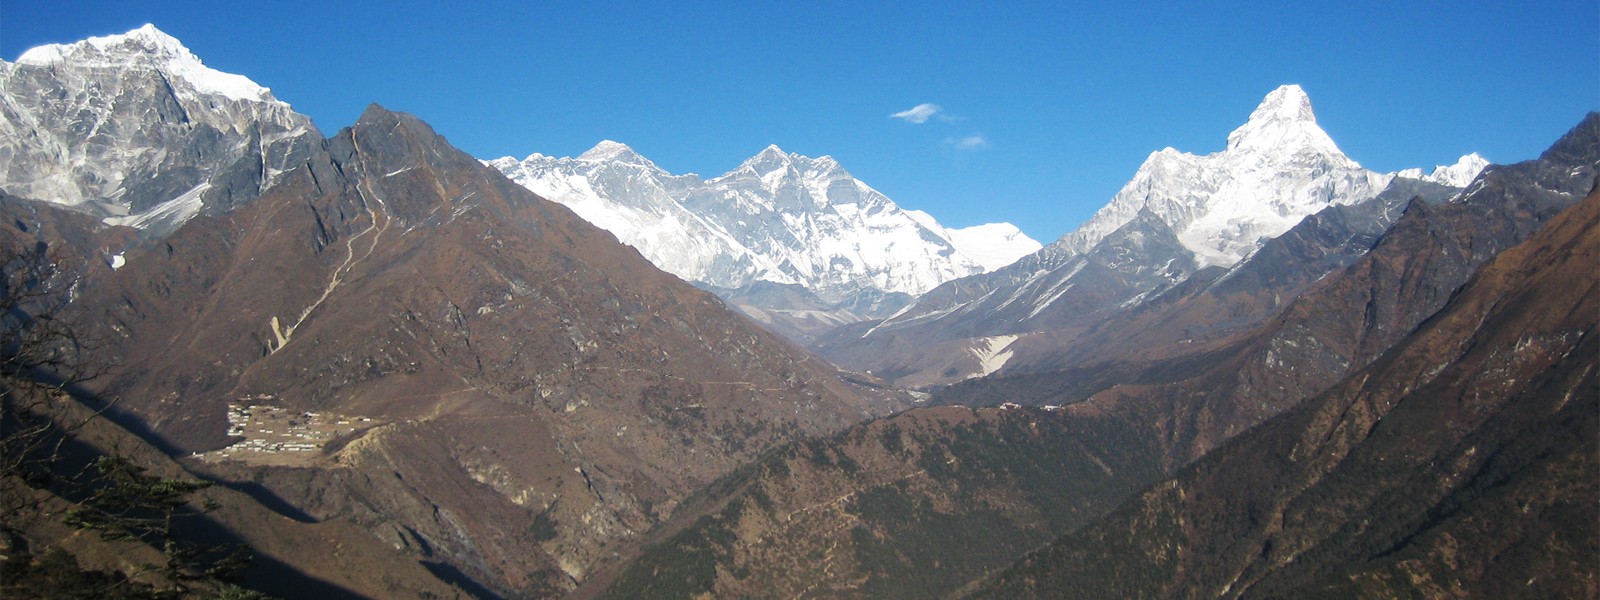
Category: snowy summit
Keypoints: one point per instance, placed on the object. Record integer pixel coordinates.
(778, 218)
(150, 47)
(1279, 167)
(85, 122)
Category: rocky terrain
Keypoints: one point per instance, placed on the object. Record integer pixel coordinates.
(1262, 372)
(135, 129)
(502, 365)
(1459, 464)
(1132, 418)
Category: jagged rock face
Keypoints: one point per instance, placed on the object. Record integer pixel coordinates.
(1461, 463)
(462, 360)
(134, 128)
(1279, 168)
(778, 218)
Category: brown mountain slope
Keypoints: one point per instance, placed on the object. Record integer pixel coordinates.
(289, 558)
(82, 246)
(1462, 463)
(1194, 399)
(910, 506)
(1219, 303)
(409, 342)
(893, 529)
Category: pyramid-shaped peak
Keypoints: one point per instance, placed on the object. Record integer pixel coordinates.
(773, 158)
(768, 160)
(395, 129)
(148, 32)
(1287, 103)
(1284, 125)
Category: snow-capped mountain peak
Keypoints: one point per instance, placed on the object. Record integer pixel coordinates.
(1284, 125)
(134, 127)
(1456, 175)
(770, 159)
(153, 47)
(1279, 167)
(778, 217)
(615, 152)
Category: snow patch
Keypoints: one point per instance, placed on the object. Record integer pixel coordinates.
(992, 353)
(176, 210)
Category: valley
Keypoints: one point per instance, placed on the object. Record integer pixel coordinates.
(390, 368)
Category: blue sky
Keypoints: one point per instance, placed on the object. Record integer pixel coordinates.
(1046, 108)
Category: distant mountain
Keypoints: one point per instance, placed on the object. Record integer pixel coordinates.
(1461, 463)
(919, 504)
(135, 129)
(1456, 175)
(1181, 215)
(778, 218)
(1278, 168)
(993, 245)
(398, 337)
(1197, 392)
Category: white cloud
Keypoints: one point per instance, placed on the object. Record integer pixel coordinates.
(917, 114)
(971, 142)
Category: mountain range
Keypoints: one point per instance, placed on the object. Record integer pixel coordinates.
(1261, 372)
(1334, 449)
(1179, 217)
(846, 251)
